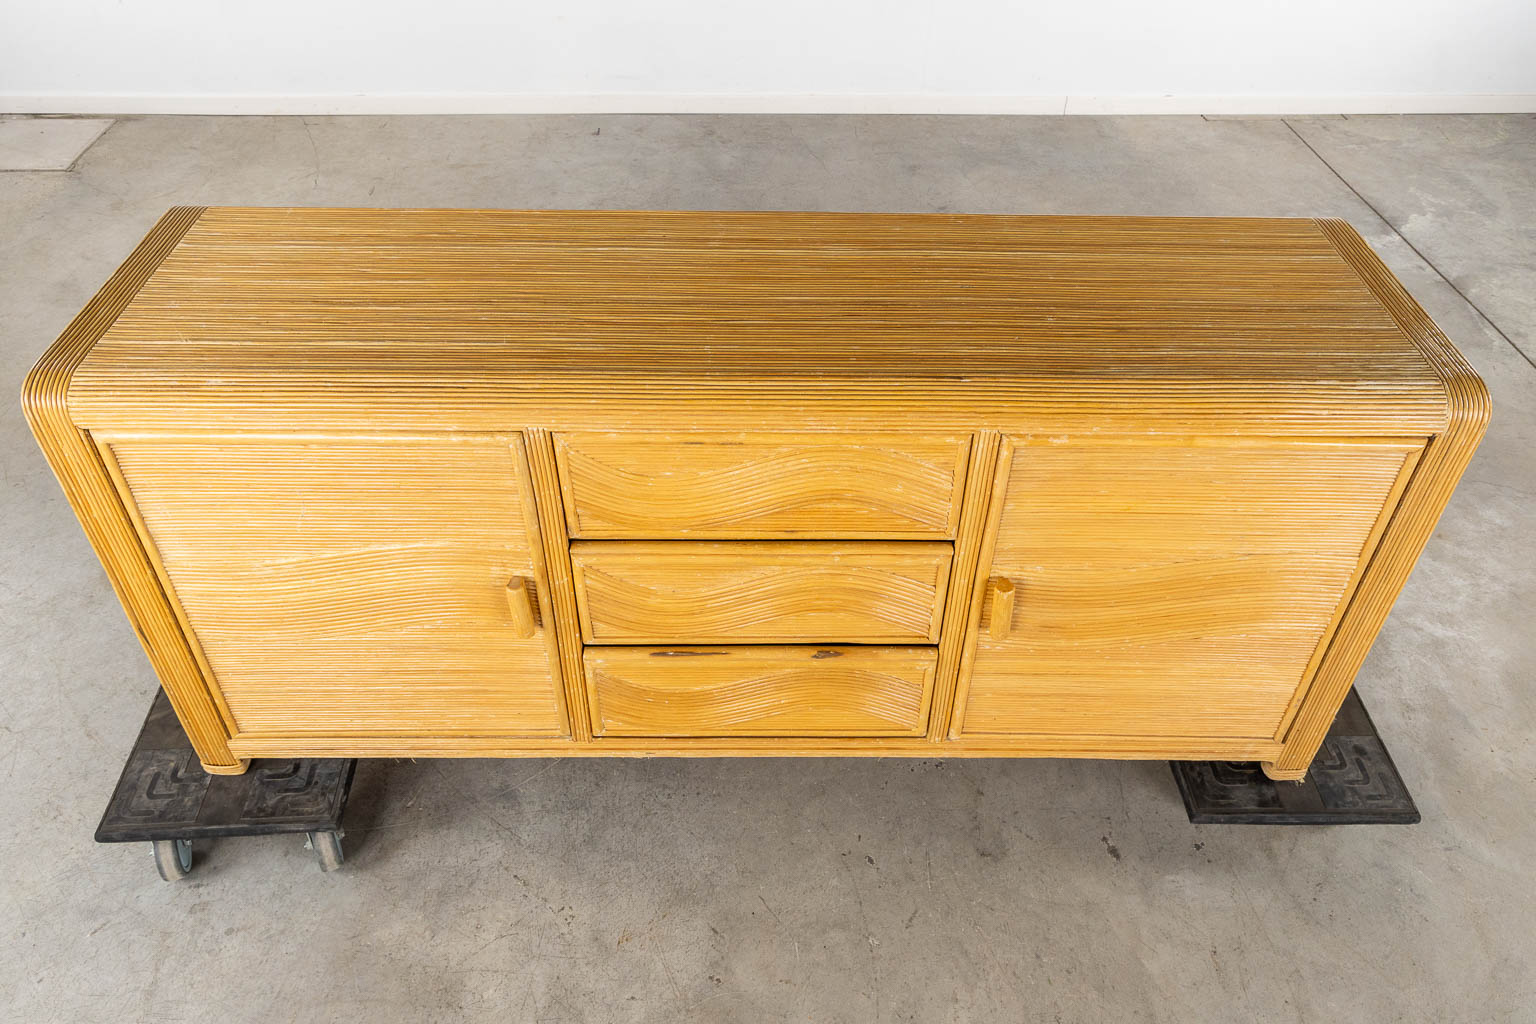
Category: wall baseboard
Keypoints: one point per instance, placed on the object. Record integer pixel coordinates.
(759, 103)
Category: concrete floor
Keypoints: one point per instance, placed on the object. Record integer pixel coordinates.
(766, 890)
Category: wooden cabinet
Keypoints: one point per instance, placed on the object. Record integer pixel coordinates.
(708, 484)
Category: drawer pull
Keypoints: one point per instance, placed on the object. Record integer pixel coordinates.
(521, 606)
(1002, 608)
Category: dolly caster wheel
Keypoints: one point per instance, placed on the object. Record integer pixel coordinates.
(173, 858)
(327, 847)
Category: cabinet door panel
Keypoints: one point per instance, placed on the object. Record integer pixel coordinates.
(354, 587)
(1171, 591)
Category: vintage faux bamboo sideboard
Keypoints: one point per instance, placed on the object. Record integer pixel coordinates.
(497, 483)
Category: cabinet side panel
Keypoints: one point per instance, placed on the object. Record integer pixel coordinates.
(1440, 467)
(94, 498)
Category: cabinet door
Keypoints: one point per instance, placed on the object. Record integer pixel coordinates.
(1159, 590)
(355, 587)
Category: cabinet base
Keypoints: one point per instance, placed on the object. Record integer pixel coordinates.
(1351, 781)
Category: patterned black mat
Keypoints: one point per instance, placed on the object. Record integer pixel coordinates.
(1352, 781)
(164, 793)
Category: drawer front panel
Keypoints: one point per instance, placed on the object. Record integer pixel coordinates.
(351, 588)
(799, 485)
(759, 691)
(760, 592)
(1171, 591)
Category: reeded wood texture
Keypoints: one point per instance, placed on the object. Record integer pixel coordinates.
(760, 591)
(765, 485)
(1072, 330)
(1123, 747)
(1171, 590)
(1413, 521)
(106, 521)
(564, 623)
(348, 586)
(612, 321)
(981, 468)
(760, 691)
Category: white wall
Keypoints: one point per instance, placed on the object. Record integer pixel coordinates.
(321, 56)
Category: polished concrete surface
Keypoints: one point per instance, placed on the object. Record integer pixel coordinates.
(804, 890)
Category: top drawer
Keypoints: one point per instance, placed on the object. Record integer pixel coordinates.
(845, 486)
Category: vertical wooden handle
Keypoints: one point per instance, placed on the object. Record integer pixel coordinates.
(1002, 608)
(521, 606)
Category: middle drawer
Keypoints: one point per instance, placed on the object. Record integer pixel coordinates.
(635, 592)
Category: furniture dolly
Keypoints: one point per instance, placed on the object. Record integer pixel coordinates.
(163, 797)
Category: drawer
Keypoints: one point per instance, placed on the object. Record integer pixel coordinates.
(759, 691)
(770, 485)
(760, 591)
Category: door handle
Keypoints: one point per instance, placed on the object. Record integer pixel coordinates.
(521, 605)
(1002, 608)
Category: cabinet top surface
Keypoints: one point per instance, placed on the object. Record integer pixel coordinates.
(322, 310)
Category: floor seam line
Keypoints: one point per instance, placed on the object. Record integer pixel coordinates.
(74, 166)
(1406, 241)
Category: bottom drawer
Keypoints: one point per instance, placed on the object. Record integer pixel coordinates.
(759, 691)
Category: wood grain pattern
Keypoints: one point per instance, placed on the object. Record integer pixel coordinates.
(1184, 748)
(1000, 611)
(986, 548)
(102, 513)
(1170, 589)
(353, 586)
(760, 691)
(760, 591)
(1228, 441)
(520, 607)
(618, 321)
(980, 469)
(1413, 518)
(563, 625)
(745, 486)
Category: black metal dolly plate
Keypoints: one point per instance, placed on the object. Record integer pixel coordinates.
(163, 794)
(1352, 781)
